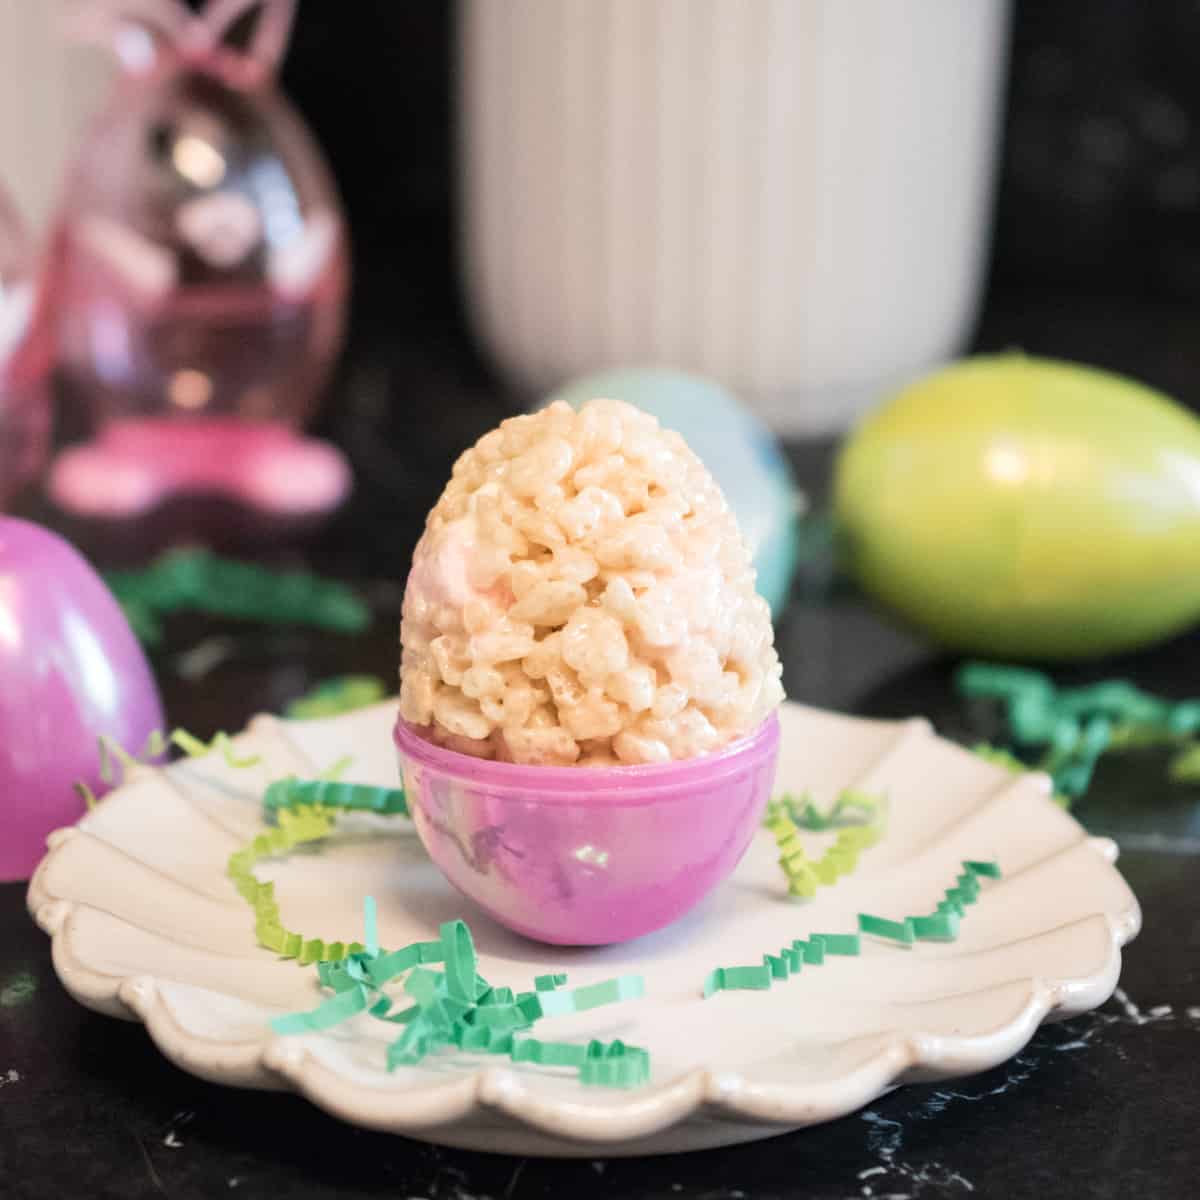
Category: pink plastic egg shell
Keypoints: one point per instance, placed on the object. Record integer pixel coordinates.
(587, 856)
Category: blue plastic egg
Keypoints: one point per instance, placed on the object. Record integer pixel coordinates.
(743, 455)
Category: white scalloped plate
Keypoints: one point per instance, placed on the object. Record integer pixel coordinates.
(146, 927)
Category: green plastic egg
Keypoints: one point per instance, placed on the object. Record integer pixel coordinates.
(1022, 507)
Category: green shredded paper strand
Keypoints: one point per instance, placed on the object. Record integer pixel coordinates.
(304, 812)
(221, 743)
(457, 1008)
(851, 807)
(331, 697)
(199, 581)
(1074, 727)
(296, 826)
(776, 968)
(787, 814)
(940, 926)
(327, 793)
(116, 761)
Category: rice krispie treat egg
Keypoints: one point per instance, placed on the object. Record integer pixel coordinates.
(581, 594)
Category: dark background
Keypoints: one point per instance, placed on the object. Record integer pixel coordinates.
(1099, 196)
(1096, 253)
(1099, 187)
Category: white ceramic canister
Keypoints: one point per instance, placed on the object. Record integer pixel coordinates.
(791, 196)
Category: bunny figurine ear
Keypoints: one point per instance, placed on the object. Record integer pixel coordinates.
(256, 29)
(136, 30)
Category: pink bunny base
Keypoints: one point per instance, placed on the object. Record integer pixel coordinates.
(133, 465)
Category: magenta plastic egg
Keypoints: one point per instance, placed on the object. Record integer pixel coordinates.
(587, 856)
(70, 670)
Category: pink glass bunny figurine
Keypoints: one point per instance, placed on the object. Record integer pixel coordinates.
(24, 361)
(198, 270)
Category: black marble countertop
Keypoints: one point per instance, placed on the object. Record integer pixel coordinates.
(1103, 1105)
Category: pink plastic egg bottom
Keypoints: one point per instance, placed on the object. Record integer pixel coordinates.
(587, 856)
(136, 464)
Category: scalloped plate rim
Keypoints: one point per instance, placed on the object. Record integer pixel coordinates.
(570, 1127)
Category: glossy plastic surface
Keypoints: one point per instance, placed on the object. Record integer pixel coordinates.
(1022, 507)
(133, 465)
(743, 455)
(70, 670)
(587, 856)
(24, 402)
(200, 263)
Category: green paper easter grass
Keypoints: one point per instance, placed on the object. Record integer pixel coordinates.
(1185, 766)
(336, 769)
(457, 1008)
(894, 931)
(221, 743)
(296, 827)
(85, 794)
(612, 1064)
(942, 924)
(341, 694)
(558, 1002)
(777, 968)
(1075, 727)
(852, 807)
(302, 816)
(116, 761)
(938, 926)
(989, 869)
(326, 793)
(198, 581)
(804, 874)
(341, 1006)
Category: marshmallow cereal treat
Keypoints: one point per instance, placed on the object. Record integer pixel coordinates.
(582, 595)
